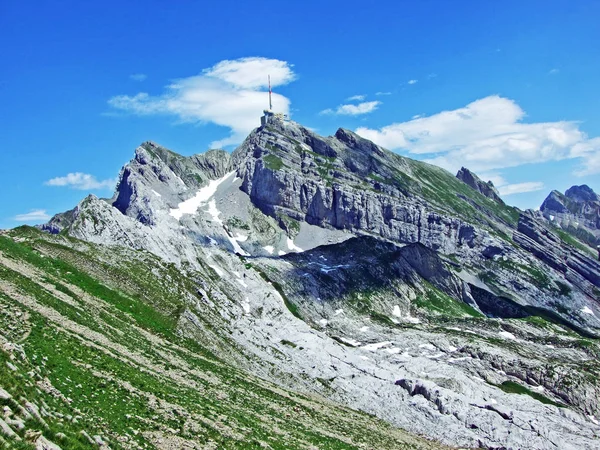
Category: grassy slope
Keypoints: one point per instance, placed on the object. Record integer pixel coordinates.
(102, 354)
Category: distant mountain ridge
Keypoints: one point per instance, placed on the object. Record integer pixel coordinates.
(577, 212)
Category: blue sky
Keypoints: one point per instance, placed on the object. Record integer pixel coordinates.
(509, 89)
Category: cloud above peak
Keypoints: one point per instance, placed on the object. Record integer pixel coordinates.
(252, 72)
(353, 110)
(488, 134)
(81, 181)
(35, 215)
(232, 93)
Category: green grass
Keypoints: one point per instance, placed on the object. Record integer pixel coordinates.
(442, 304)
(570, 240)
(273, 162)
(515, 388)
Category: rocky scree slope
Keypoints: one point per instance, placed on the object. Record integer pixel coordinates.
(93, 355)
(443, 316)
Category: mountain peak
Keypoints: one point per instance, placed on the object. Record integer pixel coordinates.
(486, 188)
(582, 193)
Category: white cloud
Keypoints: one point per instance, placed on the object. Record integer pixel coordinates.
(83, 181)
(353, 110)
(413, 81)
(138, 77)
(356, 98)
(383, 93)
(520, 188)
(35, 215)
(553, 71)
(488, 134)
(251, 73)
(505, 189)
(232, 93)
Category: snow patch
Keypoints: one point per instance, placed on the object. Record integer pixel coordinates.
(236, 247)
(427, 347)
(453, 360)
(281, 253)
(323, 322)
(338, 312)
(214, 212)
(156, 193)
(396, 312)
(411, 319)
(393, 350)
(351, 342)
(587, 310)
(246, 306)
(363, 329)
(204, 194)
(269, 249)
(452, 349)
(216, 269)
(377, 345)
(292, 246)
(507, 335)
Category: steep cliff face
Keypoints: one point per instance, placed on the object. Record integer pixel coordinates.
(486, 188)
(577, 212)
(349, 183)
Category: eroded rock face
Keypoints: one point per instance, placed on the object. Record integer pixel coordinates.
(577, 267)
(349, 183)
(486, 188)
(577, 212)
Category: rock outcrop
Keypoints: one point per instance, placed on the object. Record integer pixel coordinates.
(486, 188)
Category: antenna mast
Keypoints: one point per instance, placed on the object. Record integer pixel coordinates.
(270, 104)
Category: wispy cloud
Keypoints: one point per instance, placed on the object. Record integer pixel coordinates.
(505, 188)
(489, 134)
(82, 181)
(553, 71)
(520, 188)
(413, 81)
(383, 93)
(35, 215)
(353, 110)
(232, 93)
(356, 98)
(138, 77)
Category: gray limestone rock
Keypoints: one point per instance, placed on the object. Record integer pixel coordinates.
(486, 188)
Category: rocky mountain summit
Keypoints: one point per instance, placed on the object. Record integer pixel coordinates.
(577, 212)
(486, 188)
(326, 270)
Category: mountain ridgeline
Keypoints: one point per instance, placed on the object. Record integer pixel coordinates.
(330, 273)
